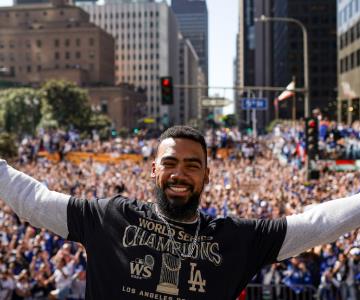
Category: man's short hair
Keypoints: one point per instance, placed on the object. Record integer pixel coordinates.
(184, 132)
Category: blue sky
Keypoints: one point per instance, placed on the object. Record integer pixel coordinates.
(223, 25)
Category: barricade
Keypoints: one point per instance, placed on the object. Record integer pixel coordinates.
(279, 292)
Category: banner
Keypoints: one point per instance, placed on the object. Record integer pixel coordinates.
(78, 157)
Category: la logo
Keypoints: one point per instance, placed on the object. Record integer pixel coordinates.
(196, 281)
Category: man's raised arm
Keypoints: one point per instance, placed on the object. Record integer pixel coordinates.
(33, 201)
(320, 224)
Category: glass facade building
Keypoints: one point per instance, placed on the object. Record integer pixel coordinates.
(319, 18)
(192, 17)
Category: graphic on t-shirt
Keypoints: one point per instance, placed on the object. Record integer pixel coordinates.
(169, 276)
(196, 280)
(142, 268)
(155, 236)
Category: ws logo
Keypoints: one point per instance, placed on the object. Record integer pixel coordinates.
(142, 268)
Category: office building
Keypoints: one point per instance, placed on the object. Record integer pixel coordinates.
(47, 40)
(191, 74)
(245, 59)
(192, 17)
(147, 47)
(56, 41)
(30, 2)
(319, 18)
(348, 37)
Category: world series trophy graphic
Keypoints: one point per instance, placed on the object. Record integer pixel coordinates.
(169, 276)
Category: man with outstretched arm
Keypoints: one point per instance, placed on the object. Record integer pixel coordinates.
(169, 249)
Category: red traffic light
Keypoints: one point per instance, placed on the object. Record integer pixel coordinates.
(311, 123)
(165, 82)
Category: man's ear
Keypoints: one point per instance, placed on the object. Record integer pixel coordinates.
(153, 167)
(207, 174)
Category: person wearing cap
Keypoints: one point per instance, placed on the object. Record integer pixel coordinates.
(353, 276)
(169, 249)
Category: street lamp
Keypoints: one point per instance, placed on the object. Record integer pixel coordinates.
(306, 56)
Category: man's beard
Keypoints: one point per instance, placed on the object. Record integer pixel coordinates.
(174, 209)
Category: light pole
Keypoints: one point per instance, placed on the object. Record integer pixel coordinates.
(306, 54)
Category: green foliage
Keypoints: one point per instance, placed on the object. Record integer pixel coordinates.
(229, 120)
(269, 128)
(65, 105)
(8, 147)
(19, 110)
(123, 132)
(101, 123)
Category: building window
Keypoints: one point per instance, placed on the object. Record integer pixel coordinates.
(28, 69)
(104, 106)
(39, 68)
(352, 61)
(346, 63)
(38, 43)
(67, 42)
(78, 54)
(56, 43)
(352, 34)
(91, 42)
(56, 55)
(78, 42)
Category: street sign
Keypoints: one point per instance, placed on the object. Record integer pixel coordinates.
(148, 120)
(254, 103)
(215, 102)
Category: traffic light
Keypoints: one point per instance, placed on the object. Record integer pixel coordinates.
(167, 97)
(312, 137)
(113, 132)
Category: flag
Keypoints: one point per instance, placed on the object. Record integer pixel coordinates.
(276, 102)
(289, 92)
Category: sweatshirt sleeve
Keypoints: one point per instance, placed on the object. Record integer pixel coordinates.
(321, 224)
(33, 201)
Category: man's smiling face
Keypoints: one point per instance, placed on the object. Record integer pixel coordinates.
(180, 172)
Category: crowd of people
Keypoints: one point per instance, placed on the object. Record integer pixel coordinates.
(259, 178)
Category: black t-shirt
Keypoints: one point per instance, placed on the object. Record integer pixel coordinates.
(130, 256)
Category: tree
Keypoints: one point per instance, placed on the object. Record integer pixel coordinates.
(101, 123)
(19, 111)
(229, 120)
(65, 104)
(8, 148)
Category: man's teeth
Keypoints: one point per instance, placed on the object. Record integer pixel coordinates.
(179, 189)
